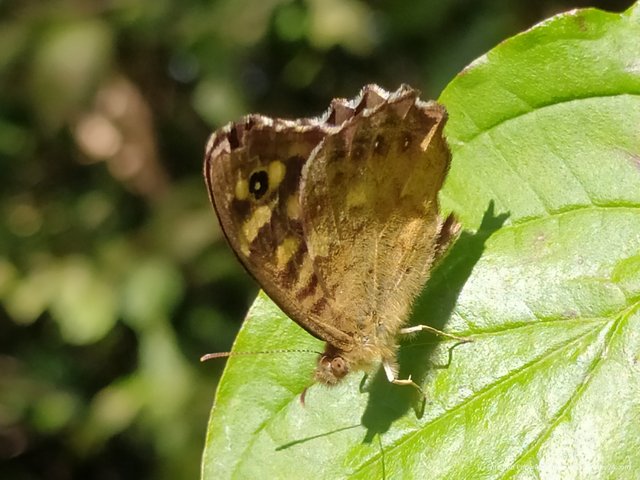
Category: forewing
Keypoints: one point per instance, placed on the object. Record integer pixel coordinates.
(252, 170)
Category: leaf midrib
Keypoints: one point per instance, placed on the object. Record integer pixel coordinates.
(465, 143)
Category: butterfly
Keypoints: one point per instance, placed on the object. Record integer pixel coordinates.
(337, 217)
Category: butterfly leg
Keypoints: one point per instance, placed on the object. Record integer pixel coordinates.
(420, 328)
(449, 231)
(363, 383)
(392, 376)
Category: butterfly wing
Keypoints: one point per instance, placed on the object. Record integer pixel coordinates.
(370, 208)
(252, 169)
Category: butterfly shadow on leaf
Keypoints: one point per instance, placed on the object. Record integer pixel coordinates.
(388, 402)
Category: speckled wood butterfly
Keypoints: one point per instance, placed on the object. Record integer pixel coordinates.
(337, 217)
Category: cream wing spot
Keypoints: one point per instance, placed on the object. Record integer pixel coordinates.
(277, 171)
(293, 207)
(286, 250)
(260, 217)
(244, 247)
(242, 189)
(306, 271)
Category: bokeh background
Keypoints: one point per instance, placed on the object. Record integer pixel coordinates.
(114, 277)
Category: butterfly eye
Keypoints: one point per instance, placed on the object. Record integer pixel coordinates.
(258, 184)
(339, 367)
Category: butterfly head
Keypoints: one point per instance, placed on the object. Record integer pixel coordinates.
(332, 366)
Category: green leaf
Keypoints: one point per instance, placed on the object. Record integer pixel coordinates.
(545, 132)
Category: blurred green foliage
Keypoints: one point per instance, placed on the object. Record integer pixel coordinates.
(114, 277)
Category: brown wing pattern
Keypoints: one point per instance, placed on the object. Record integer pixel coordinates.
(370, 210)
(336, 217)
(252, 170)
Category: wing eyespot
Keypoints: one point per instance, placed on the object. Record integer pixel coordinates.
(407, 139)
(379, 145)
(258, 184)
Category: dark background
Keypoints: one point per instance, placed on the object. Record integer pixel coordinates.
(114, 277)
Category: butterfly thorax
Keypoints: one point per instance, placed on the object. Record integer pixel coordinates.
(373, 344)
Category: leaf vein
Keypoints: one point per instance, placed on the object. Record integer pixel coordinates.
(511, 376)
(572, 400)
(537, 108)
(511, 166)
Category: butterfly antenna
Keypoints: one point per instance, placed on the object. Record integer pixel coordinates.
(210, 356)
